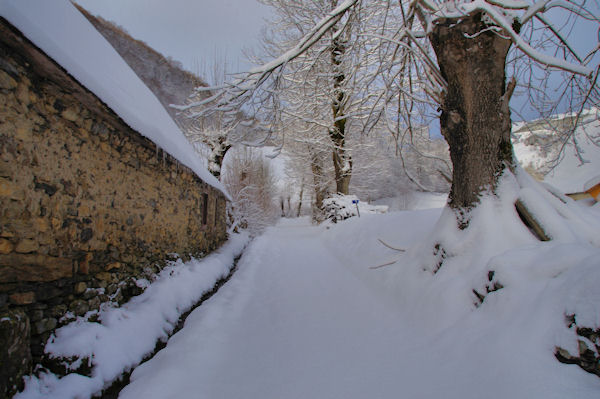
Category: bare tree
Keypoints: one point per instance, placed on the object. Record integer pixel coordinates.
(318, 87)
(214, 133)
(456, 53)
(249, 180)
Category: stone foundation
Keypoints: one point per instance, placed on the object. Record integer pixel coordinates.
(87, 205)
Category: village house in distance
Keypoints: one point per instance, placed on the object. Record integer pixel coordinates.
(97, 185)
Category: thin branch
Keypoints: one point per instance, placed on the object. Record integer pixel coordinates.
(380, 266)
(390, 247)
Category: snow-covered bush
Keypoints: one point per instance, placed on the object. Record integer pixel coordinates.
(340, 207)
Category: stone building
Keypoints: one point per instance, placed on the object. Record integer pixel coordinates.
(87, 204)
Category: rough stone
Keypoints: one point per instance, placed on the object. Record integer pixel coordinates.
(70, 114)
(46, 292)
(33, 267)
(10, 190)
(104, 276)
(111, 289)
(79, 307)
(7, 234)
(15, 355)
(90, 293)
(6, 246)
(22, 94)
(58, 311)
(45, 325)
(94, 303)
(86, 234)
(114, 265)
(23, 130)
(41, 224)
(79, 288)
(27, 246)
(47, 188)
(5, 169)
(22, 298)
(6, 81)
(84, 264)
(36, 315)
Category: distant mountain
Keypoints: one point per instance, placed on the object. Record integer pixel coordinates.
(165, 77)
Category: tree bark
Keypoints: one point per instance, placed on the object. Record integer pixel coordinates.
(299, 210)
(342, 162)
(475, 119)
(217, 156)
(320, 187)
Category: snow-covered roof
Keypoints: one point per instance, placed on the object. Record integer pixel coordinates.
(570, 174)
(65, 35)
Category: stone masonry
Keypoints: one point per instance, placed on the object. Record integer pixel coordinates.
(87, 205)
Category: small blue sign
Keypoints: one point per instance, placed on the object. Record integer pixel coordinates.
(355, 201)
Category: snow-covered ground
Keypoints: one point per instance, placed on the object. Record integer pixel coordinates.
(124, 336)
(330, 311)
(414, 200)
(310, 314)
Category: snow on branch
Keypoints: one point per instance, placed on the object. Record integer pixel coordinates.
(495, 11)
(237, 91)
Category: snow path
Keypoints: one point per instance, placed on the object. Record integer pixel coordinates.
(293, 323)
(296, 322)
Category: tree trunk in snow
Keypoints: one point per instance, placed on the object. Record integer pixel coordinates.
(299, 210)
(475, 119)
(342, 162)
(320, 187)
(343, 169)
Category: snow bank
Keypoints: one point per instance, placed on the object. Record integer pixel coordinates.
(313, 312)
(60, 30)
(125, 335)
(340, 207)
(490, 301)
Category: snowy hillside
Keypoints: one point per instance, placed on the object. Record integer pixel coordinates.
(537, 148)
(165, 77)
(63, 33)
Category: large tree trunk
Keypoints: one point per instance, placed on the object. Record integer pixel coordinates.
(475, 119)
(299, 210)
(320, 186)
(342, 162)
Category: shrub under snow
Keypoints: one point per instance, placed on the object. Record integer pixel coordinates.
(340, 207)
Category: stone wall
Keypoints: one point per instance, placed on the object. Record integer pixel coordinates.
(87, 205)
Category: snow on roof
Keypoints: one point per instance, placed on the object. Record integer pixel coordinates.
(60, 30)
(570, 175)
